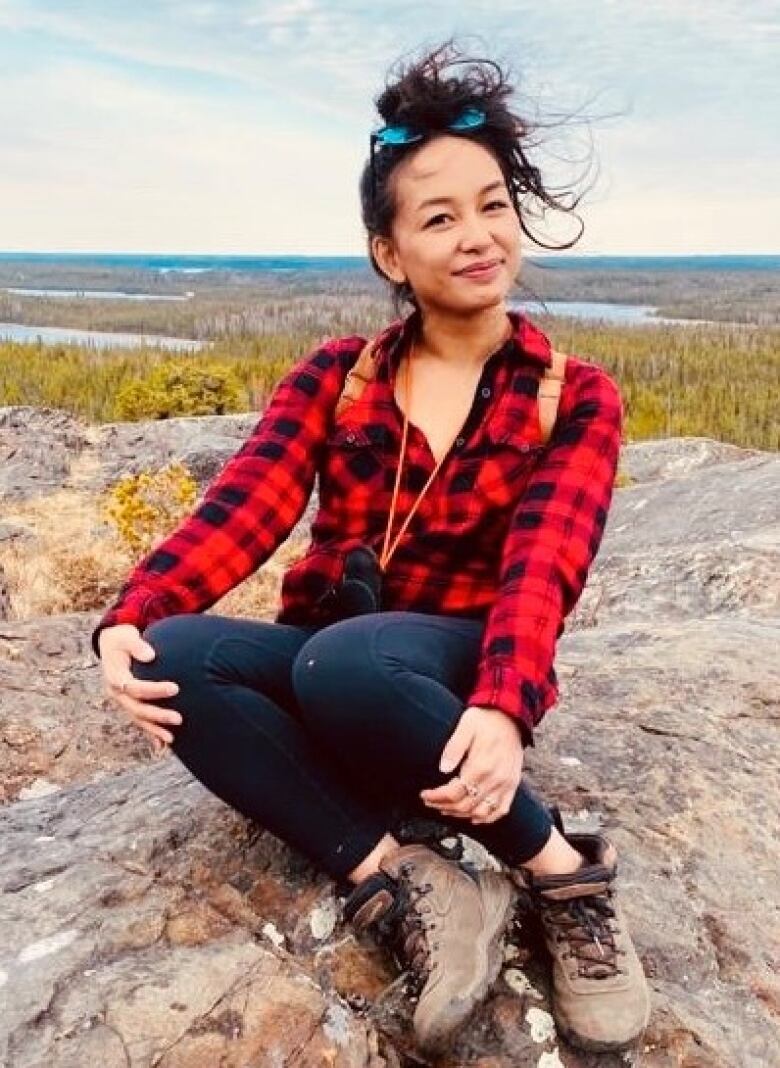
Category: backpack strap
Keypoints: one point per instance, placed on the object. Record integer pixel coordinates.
(550, 393)
(358, 377)
(363, 372)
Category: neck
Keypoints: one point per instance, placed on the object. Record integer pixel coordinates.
(462, 340)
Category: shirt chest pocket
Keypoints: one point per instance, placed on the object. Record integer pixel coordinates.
(499, 475)
(356, 459)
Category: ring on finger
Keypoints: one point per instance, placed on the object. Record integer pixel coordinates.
(471, 791)
(491, 804)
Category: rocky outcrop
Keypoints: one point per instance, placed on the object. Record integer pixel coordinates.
(43, 449)
(145, 923)
(37, 449)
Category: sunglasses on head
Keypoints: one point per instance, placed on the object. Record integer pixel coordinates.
(468, 119)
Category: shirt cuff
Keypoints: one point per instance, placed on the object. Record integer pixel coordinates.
(138, 608)
(500, 685)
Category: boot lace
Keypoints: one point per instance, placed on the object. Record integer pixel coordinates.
(585, 924)
(406, 929)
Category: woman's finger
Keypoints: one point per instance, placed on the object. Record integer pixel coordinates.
(157, 733)
(142, 689)
(485, 813)
(147, 713)
(449, 794)
(472, 804)
(462, 808)
(145, 710)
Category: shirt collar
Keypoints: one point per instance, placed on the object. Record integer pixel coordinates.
(528, 341)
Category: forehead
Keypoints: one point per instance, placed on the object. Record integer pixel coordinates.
(445, 166)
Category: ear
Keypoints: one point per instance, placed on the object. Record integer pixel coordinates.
(385, 254)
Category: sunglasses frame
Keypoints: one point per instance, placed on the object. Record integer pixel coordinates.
(469, 119)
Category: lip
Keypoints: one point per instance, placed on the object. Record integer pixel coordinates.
(480, 270)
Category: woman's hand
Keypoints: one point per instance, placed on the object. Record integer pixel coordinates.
(491, 748)
(118, 646)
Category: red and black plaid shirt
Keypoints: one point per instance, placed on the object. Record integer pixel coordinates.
(507, 530)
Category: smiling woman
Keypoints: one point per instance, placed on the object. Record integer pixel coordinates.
(425, 104)
(410, 660)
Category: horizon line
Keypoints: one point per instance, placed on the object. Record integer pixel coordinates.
(361, 257)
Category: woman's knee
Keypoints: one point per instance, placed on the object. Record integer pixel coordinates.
(334, 673)
(178, 645)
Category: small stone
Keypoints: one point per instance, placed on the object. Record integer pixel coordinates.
(323, 919)
(550, 1060)
(541, 1023)
(273, 934)
(519, 982)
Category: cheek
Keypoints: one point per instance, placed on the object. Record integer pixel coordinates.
(431, 259)
(510, 235)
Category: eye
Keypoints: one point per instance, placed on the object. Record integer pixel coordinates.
(443, 215)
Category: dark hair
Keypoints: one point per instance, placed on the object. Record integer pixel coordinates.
(425, 94)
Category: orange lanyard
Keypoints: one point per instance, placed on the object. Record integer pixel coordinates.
(386, 554)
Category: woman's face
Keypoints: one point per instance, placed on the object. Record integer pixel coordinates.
(452, 212)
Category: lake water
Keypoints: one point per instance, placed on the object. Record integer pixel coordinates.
(634, 315)
(97, 339)
(622, 314)
(95, 294)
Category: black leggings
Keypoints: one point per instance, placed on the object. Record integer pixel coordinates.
(321, 734)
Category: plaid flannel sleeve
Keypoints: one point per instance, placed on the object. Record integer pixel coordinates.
(247, 511)
(553, 537)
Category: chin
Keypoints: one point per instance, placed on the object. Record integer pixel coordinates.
(486, 299)
(457, 304)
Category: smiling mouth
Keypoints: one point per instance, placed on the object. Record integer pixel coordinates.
(483, 269)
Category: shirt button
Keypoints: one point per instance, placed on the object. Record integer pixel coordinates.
(459, 442)
(351, 438)
(486, 391)
(524, 446)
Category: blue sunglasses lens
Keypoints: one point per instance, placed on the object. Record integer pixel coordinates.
(468, 118)
(404, 135)
(397, 135)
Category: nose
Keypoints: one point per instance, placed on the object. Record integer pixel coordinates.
(476, 232)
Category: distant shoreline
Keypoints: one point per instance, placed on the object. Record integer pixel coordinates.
(199, 264)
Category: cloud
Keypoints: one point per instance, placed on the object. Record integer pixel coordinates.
(107, 163)
(231, 124)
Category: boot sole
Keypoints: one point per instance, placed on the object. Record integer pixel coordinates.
(594, 1045)
(493, 940)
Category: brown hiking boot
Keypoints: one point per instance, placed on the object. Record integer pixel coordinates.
(443, 923)
(601, 999)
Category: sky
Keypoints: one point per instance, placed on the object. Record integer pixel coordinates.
(241, 126)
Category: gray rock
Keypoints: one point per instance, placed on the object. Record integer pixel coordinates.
(123, 938)
(144, 922)
(37, 449)
(203, 443)
(648, 461)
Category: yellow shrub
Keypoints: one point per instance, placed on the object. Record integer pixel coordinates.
(143, 508)
(177, 388)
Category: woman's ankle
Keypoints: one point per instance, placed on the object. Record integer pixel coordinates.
(557, 857)
(370, 865)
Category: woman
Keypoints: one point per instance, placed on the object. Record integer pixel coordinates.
(441, 507)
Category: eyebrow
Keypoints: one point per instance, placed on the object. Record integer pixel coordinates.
(448, 200)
